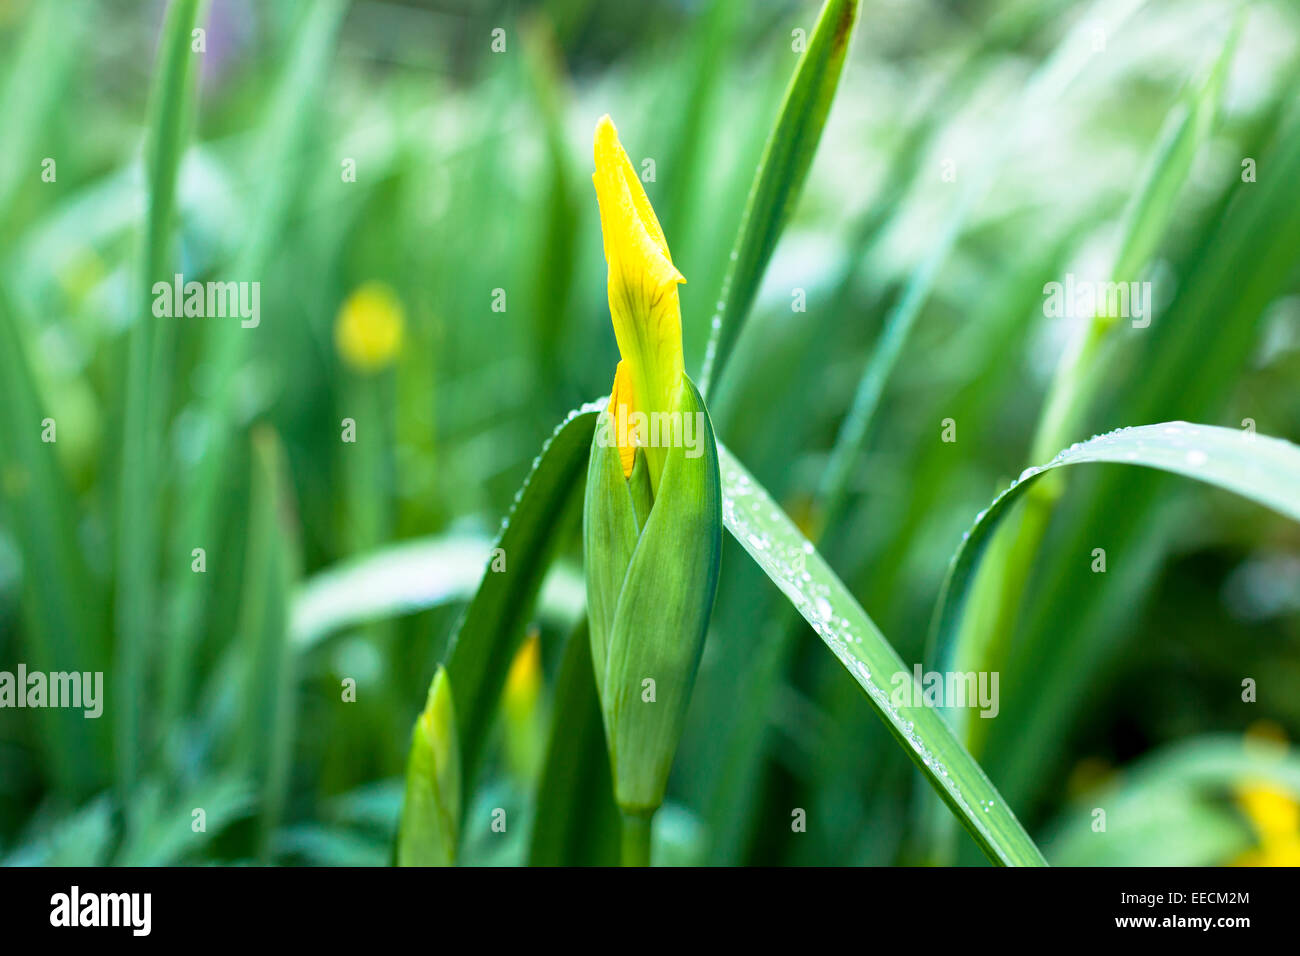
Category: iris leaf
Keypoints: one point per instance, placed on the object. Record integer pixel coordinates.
(488, 635)
(780, 176)
(1265, 470)
(794, 565)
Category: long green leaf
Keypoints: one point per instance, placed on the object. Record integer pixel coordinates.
(148, 379)
(1266, 470)
(794, 565)
(1145, 222)
(413, 576)
(264, 659)
(50, 45)
(1154, 203)
(489, 633)
(999, 588)
(576, 822)
(1185, 366)
(60, 598)
(780, 177)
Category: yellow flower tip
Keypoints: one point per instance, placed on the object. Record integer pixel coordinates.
(620, 406)
(524, 681)
(643, 300)
(370, 326)
(628, 221)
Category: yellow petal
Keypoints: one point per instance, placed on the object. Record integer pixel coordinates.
(643, 283)
(620, 406)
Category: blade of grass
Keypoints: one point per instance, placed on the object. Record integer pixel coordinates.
(60, 628)
(757, 675)
(81, 838)
(794, 565)
(714, 33)
(41, 67)
(150, 353)
(264, 666)
(164, 833)
(558, 230)
(780, 177)
(575, 821)
(1145, 223)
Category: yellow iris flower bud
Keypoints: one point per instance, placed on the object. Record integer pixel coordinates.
(643, 299)
(652, 518)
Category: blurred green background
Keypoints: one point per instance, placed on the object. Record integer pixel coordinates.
(417, 209)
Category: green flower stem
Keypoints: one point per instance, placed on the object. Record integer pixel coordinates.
(636, 838)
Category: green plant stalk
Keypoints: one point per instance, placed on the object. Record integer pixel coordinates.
(150, 347)
(1078, 375)
(780, 177)
(366, 513)
(1071, 393)
(42, 64)
(263, 747)
(636, 838)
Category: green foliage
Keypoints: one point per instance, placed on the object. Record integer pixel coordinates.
(780, 176)
(316, 145)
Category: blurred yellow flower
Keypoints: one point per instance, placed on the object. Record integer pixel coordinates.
(1275, 816)
(643, 303)
(524, 682)
(525, 728)
(369, 329)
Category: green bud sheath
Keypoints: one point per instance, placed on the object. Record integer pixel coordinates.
(609, 532)
(430, 826)
(639, 484)
(650, 593)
